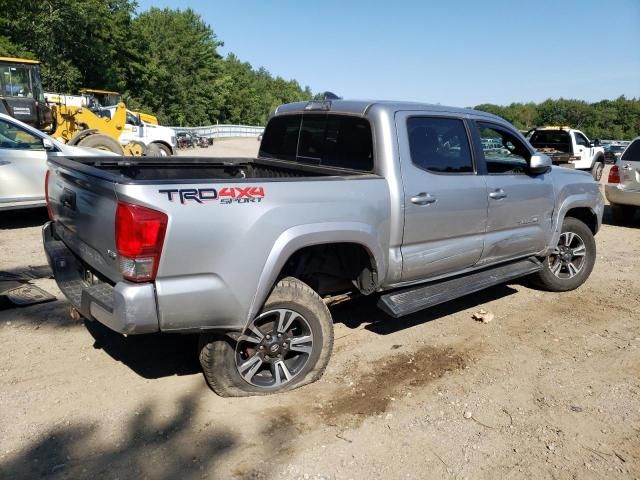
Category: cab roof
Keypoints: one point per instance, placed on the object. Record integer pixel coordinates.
(361, 107)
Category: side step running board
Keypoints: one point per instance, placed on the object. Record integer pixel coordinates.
(410, 300)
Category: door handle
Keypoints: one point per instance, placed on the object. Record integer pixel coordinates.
(498, 194)
(423, 198)
(627, 167)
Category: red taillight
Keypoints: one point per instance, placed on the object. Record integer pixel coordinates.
(614, 175)
(139, 239)
(46, 195)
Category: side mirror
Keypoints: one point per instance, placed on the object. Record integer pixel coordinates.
(48, 145)
(596, 142)
(539, 163)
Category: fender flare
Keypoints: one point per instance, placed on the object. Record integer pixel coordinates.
(301, 236)
(582, 200)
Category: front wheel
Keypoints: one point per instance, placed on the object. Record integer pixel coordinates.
(571, 261)
(286, 346)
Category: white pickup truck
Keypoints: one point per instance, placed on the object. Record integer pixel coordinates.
(569, 147)
(160, 141)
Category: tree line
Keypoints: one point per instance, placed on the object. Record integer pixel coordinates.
(617, 119)
(164, 61)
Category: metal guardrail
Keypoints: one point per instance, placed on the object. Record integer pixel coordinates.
(221, 131)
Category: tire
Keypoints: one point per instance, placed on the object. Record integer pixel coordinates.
(101, 142)
(157, 150)
(597, 169)
(622, 214)
(301, 313)
(164, 150)
(564, 278)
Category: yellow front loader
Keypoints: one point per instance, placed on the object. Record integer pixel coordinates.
(107, 98)
(85, 128)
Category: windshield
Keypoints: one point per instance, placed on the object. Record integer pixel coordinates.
(21, 81)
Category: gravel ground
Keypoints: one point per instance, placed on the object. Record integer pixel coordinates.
(549, 389)
(224, 147)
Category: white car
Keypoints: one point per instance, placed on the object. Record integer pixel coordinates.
(23, 162)
(623, 187)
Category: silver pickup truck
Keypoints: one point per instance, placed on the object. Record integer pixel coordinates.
(411, 203)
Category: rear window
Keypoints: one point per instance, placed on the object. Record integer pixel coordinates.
(280, 138)
(557, 139)
(320, 139)
(632, 153)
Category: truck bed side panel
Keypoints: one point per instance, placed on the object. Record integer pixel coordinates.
(215, 250)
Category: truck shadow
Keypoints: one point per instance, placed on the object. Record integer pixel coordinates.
(607, 219)
(155, 356)
(364, 311)
(151, 356)
(23, 218)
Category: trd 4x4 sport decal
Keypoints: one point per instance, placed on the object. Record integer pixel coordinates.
(225, 195)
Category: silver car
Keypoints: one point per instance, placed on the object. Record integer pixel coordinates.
(23, 162)
(623, 187)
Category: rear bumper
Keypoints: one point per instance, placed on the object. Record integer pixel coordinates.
(615, 194)
(125, 307)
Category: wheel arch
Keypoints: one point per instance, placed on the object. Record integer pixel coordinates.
(78, 137)
(599, 157)
(586, 215)
(304, 237)
(162, 142)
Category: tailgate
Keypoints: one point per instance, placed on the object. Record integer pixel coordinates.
(84, 209)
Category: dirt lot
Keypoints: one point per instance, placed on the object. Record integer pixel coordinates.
(549, 389)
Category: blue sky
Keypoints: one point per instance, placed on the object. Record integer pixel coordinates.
(455, 52)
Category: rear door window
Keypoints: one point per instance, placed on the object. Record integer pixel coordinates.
(439, 145)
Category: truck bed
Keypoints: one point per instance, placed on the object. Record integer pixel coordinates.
(196, 169)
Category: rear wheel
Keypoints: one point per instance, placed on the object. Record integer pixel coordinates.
(597, 170)
(571, 261)
(286, 346)
(101, 142)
